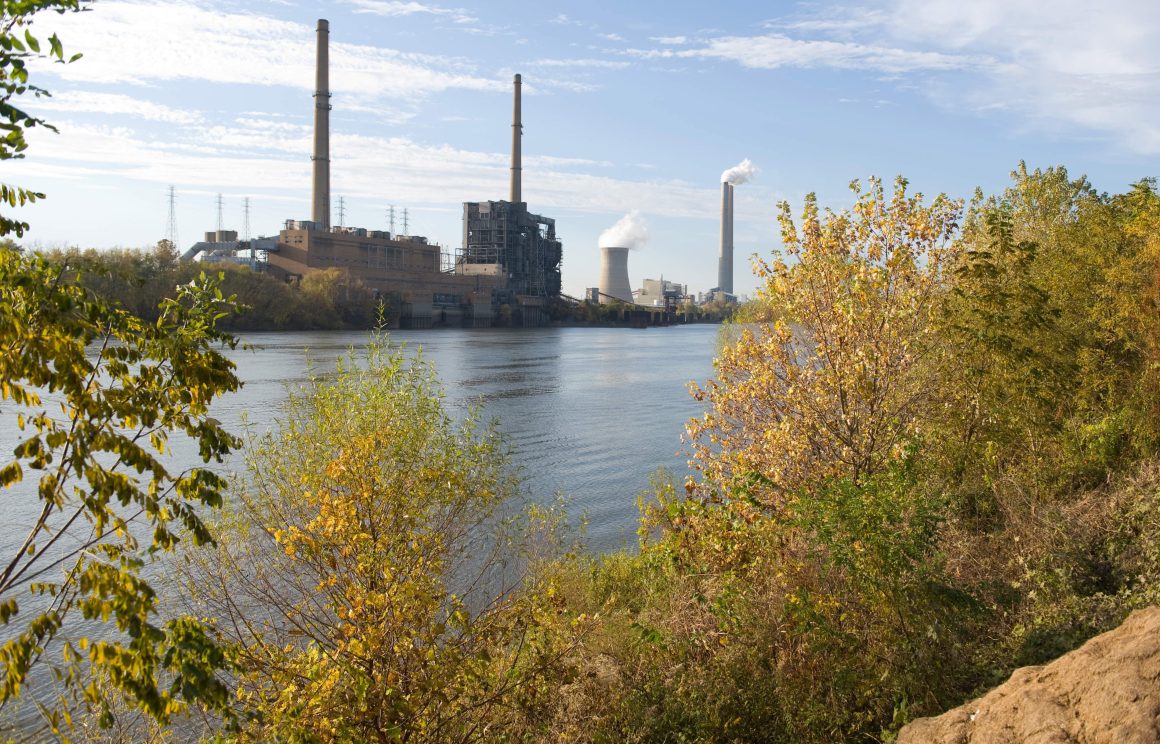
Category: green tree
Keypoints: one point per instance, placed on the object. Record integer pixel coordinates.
(97, 392)
(18, 46)
(105, 503)
(1047, 340)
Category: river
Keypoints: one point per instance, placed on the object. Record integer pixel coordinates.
(590, 412)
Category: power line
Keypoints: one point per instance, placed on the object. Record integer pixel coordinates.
(246, 220)
(341, 212)
(391, 217)
(405, 228)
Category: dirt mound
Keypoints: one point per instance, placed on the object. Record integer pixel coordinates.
(1106, 691)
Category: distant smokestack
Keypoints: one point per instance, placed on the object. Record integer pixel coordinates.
(321, 157)
(614, 274)
(517, 134)
(725, 260)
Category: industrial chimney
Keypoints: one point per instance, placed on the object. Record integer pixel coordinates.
(614, 275)
(725, 260)
(517, 134)
(321, 157)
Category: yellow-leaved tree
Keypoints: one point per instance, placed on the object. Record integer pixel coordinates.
(375, 576)
(832, 386)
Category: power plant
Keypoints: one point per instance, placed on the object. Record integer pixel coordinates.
(508, 264)
(504, 239)
(509, 255)
(614, 283)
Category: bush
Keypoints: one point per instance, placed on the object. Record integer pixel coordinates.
(374, 578)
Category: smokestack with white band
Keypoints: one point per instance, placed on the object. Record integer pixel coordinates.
(321, 157)
(517, 134)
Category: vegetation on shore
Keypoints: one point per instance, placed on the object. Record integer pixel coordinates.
(138, 280)
(928, 457)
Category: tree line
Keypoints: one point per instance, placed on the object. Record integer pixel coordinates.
(140, 279)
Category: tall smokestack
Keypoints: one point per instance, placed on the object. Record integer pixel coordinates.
(517, 134)
(725, 260)
(321, 157)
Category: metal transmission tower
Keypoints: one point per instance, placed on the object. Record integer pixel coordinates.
(219, 207)
(341, 212)
(391, 217)
(405, 222)
(171, 226)
(246, 218)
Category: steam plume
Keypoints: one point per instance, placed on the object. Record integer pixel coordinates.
(740, 173)
(630, 231)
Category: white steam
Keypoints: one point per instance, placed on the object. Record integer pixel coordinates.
(630, 231)
(740, 173)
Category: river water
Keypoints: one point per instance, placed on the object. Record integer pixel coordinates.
(589, 412)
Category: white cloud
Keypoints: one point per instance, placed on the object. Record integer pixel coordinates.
(395, 8)
(612, 37)
(187, 42)
(1072, 68)
(115, 103)
(670, 40)
(250, 155)
(608, 64)
(772, 51)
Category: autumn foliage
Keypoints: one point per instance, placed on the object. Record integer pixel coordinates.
(376, 577)
(928, 456)
(835, 385)
(931, 458)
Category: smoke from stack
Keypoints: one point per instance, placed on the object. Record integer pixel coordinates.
(630, 231)
(321, 183)
(741, 173)
(517, 134)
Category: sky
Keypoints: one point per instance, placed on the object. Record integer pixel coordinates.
(626, 106)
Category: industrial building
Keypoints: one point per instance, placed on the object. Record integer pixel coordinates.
(661, 292)
(405, 270)
(503, 239)
(509, 256)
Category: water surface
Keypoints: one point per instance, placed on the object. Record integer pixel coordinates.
(589, 412)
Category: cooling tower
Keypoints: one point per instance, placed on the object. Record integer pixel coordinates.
(517, 133)
(725, 259)
(614, 275)
(321, 201)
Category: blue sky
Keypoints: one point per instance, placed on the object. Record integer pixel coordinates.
(626, 106)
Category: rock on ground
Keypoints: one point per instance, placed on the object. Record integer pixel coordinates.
(1105, 692)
